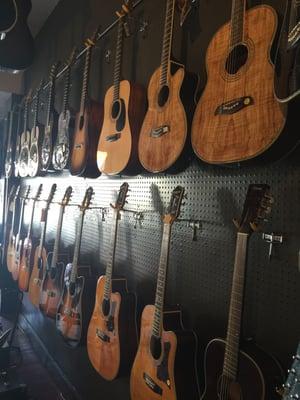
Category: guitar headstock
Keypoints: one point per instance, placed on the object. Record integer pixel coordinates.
(87, 199)
(292, 384)
(26, 192)
(51, 194)
(53, 71)
(38, 193)
(17, 192)
(173, 211)
(122, 195)
(67, 196)
(256, 208)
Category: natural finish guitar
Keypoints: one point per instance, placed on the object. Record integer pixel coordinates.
(238, 117)
(88, 122)
(52, 284)
(232, 373)
(26, 260)
(11, 142)
(165, 364)
(124, 110)
(40, 256)
(23, 156)
(12, 234)
(164, 139)
(69, 317)
(112, 333)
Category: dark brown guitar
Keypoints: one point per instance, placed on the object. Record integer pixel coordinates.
(69, 317)
(12, 233)
(230, 372)
(112, 333)
(87, 126)
(52, 284)
(165, 364)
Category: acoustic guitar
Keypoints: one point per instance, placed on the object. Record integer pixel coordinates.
(50, 130)
(124, 110)
(291, 388)
(165, 363)
(163, 141)
(16, 44)
(61, 150)
(112, 333)
(69, 317)
(40, 256)
(250, 373)
(11, 140)
(88, 122)
(17, 155)
(23, 156)
(52, 284)
(26, 260)
(238, 117)
(15, 243)
(12, 233)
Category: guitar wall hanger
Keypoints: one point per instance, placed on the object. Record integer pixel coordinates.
(194, 224)
(273, 239)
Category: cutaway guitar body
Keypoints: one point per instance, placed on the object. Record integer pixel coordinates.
(36, 277)
(154, 378)
(26, 263)
(112, 333)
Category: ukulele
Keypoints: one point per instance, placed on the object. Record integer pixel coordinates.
(40, 256)
(26, 259)
(287, 78)
(23, 158)
(238, 117)
(124, 110)
(16, 44)
(165, 364)
(69, 317)
(232, 373)
(61, 150)
(291, 388)
(36, 138)
(163, 137)
(50, 129)
(11, 242)
(112, 333)
(17, 241)
(51, 290)
(87, 125)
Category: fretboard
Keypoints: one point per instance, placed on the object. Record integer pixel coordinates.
(237, 22)
(50, 104)
(85, 81)
(31, 220)
(161, 281)
(118, 60)
(21, 216)
(74, 272)
(66, 91)
(43, 230)
(25, 116)
(111, 255)
(57, 237)
(167, 42)
(36, 108)
(236, 308)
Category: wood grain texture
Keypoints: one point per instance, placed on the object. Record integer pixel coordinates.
(10, 252)
(17, 259)
(25, 265)
(252, 130)
(36, 277)
(121, 156)
(159, 154)
(51, 292)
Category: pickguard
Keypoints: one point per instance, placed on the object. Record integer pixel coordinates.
(162, 369)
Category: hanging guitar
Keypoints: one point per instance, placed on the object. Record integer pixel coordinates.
(69, 317)
(112, 333)
(50, 130)
(292, 385)
(87, 125)
(11, 242)
(124, 110)
(165, 364)
(40, 256)
(23, 158)
(10, 148)
(61, 150)
(52, 284)
(26, 260)
(232, 373)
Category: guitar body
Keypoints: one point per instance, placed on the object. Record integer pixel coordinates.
(238, 117)
(258, 376)
(35, 146)
(61, 150)
(24, 154)
(25, 267)
(17, 156)
(16, 258)
(10, 253)
(17, 48)
(49, 138)
(112, 338)
(86, 134)
(117, 147)
(159, 153)
(36, 277)
(173, 375)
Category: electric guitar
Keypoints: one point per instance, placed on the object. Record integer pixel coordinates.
(12, 234)
(40, 256)
(87, 125)
(26, 259)
(23, 157)
(124, 110)
(165, 363)
(112, 333)
(229, 125)
(52, 284)
(50, 130)
(61, 150)
(69, 317)
(163, 141)
(250, 373)
(10, 148)
(292, 384)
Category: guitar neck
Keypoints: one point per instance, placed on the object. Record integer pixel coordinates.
(36, 109)
(237, 22)
(50, 105)
(21, 217)
(236, 308)
(44, 218)
(85, 81)
(58, 236)
(74, 272)
(66, 91)
(161, 281)
(111, 256)
(167, 42)
(31, 220)
(118, 60)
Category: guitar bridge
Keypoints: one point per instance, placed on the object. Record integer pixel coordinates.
(78, 146)
(151, 384)
(233, 106)
(51, 293)
(113, 138)
(101, 335)
(158, 132)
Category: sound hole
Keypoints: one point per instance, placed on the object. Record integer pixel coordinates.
(163, 95)
(236, 59)
(116, 109)
(105, 307)
(155, 347)
(7, 15)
